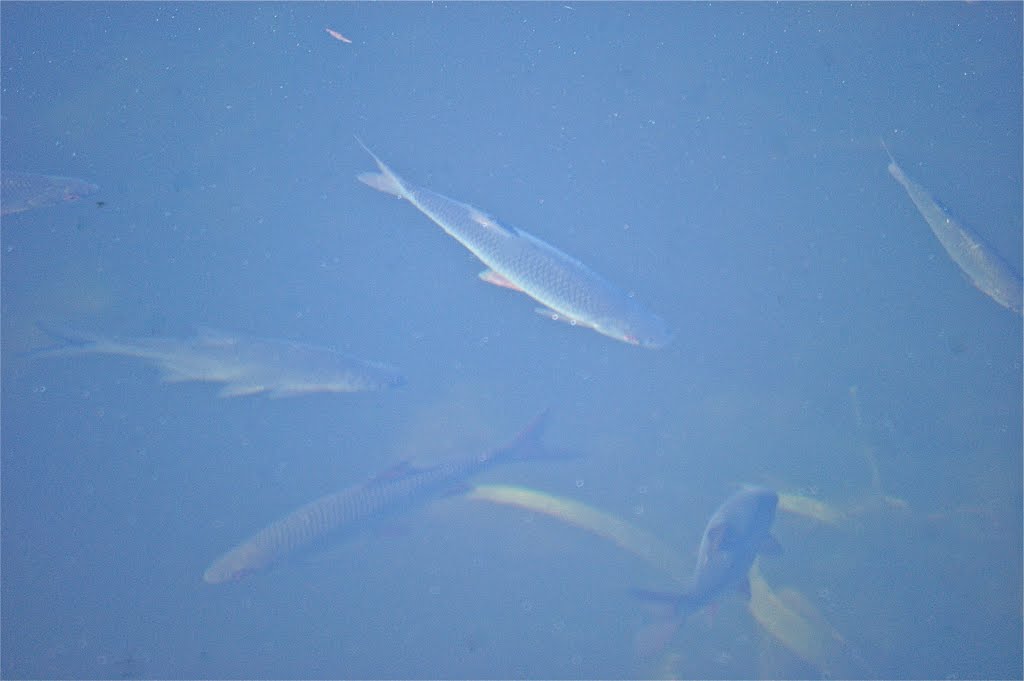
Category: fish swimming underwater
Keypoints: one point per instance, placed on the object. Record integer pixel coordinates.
(246, 365)
(737, 532)
(983, 267)
(24, 191)
(399, 489)
(569, 290)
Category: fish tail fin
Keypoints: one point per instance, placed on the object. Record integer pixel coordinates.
(894, 167)
(663, 622)
(384, 181)
(528, 445)
(68, 342)
(886, 148)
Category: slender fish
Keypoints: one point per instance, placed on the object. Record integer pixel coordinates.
(986, 271)
(245, 365)
(569, 290)
(399, 489)
(24, 191)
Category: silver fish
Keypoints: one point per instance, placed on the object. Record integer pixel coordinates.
(24, 191)
(569, 290)
(245, 365)
(399, 489)
(983, 267)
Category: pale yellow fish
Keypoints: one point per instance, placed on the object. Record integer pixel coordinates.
(621, 533)
(800, 629)
(794, 622)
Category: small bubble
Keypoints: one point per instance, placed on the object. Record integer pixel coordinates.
(39, 389)
(579, 483)
(638, 510)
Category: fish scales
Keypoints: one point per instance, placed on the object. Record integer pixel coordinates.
(246, 365)
(516, 259)
(20, 191)
(301, 528)
(545, 273)
(392, 491)
(982, 266)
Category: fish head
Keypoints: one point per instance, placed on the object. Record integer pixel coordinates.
(733, 537)
(749, 513)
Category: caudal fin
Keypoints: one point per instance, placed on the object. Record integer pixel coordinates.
(68, 342)
(385, 181)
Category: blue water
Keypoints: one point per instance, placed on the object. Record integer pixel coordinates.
(720, 161)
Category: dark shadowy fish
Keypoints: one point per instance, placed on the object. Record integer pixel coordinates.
(397, 490)
(246, 365)
(737, 532)
(569, 290)
(983, 267)
(25, 191)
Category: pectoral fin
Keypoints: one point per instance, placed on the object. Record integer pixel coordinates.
(240, 390)
(492, 277)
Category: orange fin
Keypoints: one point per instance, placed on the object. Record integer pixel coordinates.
(492, 277)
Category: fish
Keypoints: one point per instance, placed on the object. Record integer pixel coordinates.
(738, 531)
(786, 615)
(619, 532)
(337, 36)
(20, 191)
(979, 262)
(245, 365)
(399, 489)
(568, 290)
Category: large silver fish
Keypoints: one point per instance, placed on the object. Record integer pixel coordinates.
(569, 290)
(245, 365)
(397, 490)
(986, 271)
(737, 532)
(25, 191)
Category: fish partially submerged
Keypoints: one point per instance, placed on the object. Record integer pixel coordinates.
(569, 290)
(736, 533)
(399, 489)
(984, 268)
(24, 191)
(245, 365)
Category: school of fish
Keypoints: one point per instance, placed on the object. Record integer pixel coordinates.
(567, 290)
